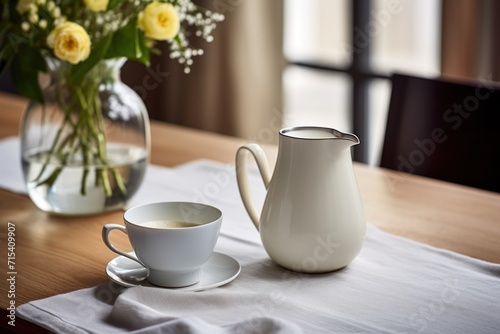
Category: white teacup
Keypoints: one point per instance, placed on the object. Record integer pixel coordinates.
(171, 239)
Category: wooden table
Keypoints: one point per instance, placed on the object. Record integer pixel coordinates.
(57, 254)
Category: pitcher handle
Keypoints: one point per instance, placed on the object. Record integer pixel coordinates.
(242, 177)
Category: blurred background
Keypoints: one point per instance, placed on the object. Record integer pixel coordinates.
(318, 62)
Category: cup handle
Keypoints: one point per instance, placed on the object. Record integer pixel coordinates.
(242, 177)
(106, 229)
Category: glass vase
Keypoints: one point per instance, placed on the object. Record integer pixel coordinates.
(85, 149)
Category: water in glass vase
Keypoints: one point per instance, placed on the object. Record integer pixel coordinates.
(65, 196)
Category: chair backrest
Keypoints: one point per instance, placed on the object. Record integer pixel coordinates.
(444, 130)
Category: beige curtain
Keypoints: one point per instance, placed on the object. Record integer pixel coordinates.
(470, 39)
(235, 87)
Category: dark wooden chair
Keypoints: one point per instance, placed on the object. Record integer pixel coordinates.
(445, 130)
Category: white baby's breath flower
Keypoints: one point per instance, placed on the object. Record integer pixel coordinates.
(43, 24)
(33, 18)
(23, 6)
(50, 6)
(60, 20)
(25, 26)
(32, 8)
(56, 12)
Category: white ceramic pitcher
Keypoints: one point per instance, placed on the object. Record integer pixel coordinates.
(313, 218)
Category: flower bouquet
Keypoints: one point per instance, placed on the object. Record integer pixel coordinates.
(81, 44)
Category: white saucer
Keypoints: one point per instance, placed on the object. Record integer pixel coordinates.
(219, 270)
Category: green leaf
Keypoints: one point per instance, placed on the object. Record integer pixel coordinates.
(129, 42)
(4, 60)
(4, 28)
(114, 3)
(145, 49)
(10, 42)
(26, 65)
(98, 53)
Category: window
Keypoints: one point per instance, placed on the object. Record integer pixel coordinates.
(319, 43)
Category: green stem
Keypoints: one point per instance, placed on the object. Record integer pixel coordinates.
(119, 180)
(86, 135)
(52, 149)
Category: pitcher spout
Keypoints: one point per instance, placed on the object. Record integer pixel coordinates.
(351, 138)
(320, 133)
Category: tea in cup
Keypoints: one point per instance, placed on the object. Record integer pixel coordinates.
(173, 240)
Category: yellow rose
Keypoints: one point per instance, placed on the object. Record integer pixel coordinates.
(70, 42)
(96, 5)
(160, 21)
